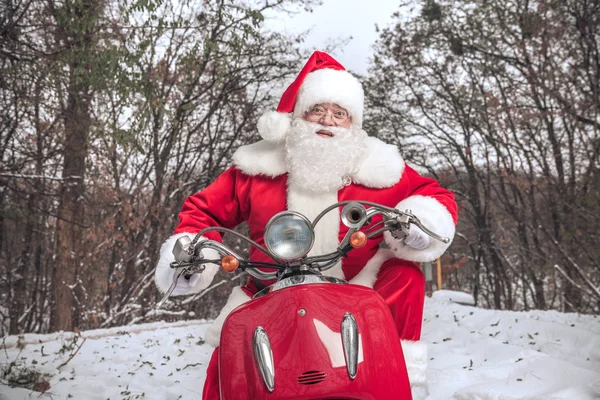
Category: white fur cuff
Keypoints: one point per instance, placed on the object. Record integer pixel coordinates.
(434, 216)
(163, 275)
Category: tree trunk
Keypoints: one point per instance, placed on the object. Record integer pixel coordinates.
(21, 274)
(70, 224)
(70, 221)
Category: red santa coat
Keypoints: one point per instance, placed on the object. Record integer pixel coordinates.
(236, 197)
(256, 188)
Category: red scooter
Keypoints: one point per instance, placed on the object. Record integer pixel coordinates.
(307, 336)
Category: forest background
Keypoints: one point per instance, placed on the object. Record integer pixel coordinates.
(111, 113)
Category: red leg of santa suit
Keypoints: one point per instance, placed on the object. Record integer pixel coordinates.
(402, 286)
(211, 384)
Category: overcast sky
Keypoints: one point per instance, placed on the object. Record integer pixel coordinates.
(341, 19)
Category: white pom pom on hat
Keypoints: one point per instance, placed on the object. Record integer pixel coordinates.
(272, 125)
(321, 80)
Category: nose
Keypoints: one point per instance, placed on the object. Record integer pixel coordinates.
(327, 119)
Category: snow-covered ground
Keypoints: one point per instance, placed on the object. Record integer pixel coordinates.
(474, 354)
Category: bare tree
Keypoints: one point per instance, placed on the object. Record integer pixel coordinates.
(504, 95)
(112, 114)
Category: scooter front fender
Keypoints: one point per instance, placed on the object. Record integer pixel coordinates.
(303, 325)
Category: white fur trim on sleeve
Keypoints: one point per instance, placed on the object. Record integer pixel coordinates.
(236, 299)
(273, 126)
(434, 216)
(415, 357)
(163, 273)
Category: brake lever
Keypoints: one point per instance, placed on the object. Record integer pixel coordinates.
(406, 218)
(162, 301)
(185, 269)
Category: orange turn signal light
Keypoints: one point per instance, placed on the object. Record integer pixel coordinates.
(358, 239)
(230, 263)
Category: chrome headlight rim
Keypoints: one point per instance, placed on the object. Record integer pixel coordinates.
(274, 218)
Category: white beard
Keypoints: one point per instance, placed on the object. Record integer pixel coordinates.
(318, 164)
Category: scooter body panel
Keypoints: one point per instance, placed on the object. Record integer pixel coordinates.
(303, 324)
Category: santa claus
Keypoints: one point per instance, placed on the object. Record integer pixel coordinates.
(314, 154)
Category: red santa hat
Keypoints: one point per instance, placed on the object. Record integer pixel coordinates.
(322, 80)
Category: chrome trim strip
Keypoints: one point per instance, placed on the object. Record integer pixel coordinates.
(350, 343)
(298, 280)
(264, 357)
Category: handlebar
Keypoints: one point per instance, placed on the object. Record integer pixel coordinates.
(190, 260)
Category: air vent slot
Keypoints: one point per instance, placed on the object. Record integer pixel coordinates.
(311, 377)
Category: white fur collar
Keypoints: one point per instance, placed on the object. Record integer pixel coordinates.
(380, 167)
(261, 158)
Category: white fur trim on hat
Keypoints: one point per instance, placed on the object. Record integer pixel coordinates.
(331, 86)
(273, 126)
(236, 299)
(434, 216)
(164, 274)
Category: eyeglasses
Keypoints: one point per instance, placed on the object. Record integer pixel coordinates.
(320, 111)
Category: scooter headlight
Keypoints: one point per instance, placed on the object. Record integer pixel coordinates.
(289, 235)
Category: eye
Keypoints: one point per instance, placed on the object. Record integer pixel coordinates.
(341, 114)
(318, 110)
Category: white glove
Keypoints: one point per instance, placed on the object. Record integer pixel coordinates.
(417, 239)
(184, 285)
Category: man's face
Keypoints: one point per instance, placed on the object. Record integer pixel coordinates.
(328, 114)
(318, 165)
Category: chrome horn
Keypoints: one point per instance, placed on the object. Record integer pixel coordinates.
(354, 215)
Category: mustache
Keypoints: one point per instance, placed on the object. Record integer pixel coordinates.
(315, 127)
